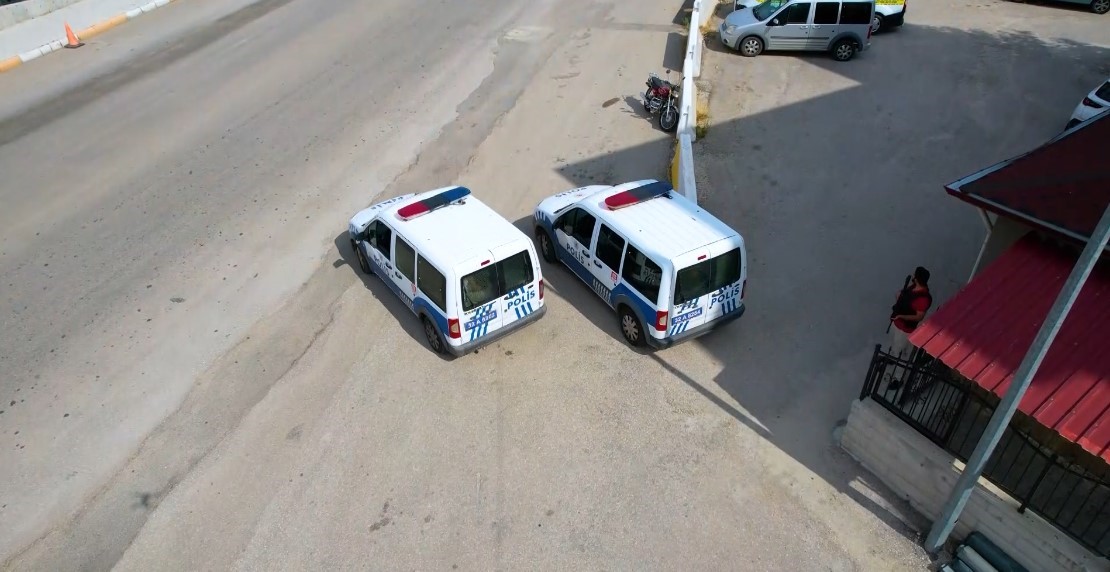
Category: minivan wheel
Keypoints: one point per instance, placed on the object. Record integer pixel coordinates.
(362, 262)
(877, 24)
(844, 50)
(547, 250)
(631, 328)
(753, 46)
(1100, 6)
(434, 341)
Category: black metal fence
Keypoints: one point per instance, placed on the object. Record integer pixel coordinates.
(1067, 486)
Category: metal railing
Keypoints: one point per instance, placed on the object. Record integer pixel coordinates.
(1062, 483)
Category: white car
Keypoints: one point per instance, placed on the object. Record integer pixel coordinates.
(1096, 102)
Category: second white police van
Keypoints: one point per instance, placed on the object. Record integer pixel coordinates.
(671, 270)
(470, 275)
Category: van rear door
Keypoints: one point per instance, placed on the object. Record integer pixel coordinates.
(708, 285)
(519, 277)
(479, 296)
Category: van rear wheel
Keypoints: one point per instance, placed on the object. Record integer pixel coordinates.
(631, 328)
(1100, 6)
(877, 23)
(844, 50)
(434, 340)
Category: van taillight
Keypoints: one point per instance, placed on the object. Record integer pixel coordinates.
(453, 328)
(541, 288)
(661, 320)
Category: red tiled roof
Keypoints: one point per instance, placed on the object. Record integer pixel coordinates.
(985, 330)
(1062, 186)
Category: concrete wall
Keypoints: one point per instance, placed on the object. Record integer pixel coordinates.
(13, 14)
(924, 474)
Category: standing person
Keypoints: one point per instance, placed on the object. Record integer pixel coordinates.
(908, 311)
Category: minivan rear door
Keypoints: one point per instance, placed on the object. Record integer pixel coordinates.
(707, 285)
(480, 311)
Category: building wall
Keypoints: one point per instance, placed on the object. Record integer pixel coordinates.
(924, 474)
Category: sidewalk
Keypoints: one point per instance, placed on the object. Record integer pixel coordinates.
(31, 34)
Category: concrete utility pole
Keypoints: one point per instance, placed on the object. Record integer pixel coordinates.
(943, 525)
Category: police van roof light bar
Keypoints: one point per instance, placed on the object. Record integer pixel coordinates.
(638, 195)
(409, 212)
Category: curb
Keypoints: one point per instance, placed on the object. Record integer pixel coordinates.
(90, 32)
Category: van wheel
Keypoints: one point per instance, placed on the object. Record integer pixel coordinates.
(547, 250)
(877, 24)
(751, 46)
(434, 340)
(362, 262)
(1100, 6)
(844, 50)
(631, 328)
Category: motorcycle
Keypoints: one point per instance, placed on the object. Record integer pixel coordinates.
(662, 98)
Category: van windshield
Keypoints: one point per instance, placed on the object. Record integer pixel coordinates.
(766, 9)
(496, 280)
(707, 276)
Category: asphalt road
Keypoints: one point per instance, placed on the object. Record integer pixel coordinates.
(201, 380)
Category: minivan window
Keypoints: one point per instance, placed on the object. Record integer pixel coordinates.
(827, 13)
(610, 246)
(431, 282)
(379, 235)
(856, 13)
(406, 259)
(796, 14)
(642, 274)
(1103, 92)
(578, 224)
(707, 276)
(496, 280)
(766, 9)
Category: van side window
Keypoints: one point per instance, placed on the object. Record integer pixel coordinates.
(856, 13)
(432, 283)
(379, 236)
(796, 14)
(642, 274)
(827, 13)
(405, 259)
(578, 224)
(610, 246)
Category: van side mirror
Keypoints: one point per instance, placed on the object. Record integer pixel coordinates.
(776, 22)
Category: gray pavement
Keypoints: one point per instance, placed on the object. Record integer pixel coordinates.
(202, 380)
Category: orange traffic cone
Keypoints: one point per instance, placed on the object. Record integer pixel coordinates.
(72, 41)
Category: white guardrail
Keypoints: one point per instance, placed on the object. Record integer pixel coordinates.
(687, 111)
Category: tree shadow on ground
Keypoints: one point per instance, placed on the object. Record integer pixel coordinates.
(839, 195)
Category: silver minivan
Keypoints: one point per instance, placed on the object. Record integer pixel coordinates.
(842, 27)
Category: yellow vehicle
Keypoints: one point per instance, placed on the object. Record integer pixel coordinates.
(888, 14)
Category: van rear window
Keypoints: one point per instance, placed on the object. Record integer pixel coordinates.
(496, 280)
(707, 276)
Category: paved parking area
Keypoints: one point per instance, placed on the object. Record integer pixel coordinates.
(835, 171)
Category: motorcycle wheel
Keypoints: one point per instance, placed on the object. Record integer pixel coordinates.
(668, 118)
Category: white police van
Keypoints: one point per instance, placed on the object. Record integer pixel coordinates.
(652, 255)
(470, 275)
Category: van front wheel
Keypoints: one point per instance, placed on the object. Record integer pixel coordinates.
(844, 50)
(1100, 6)
(547, 250)
(750, 47)
(631, 328)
